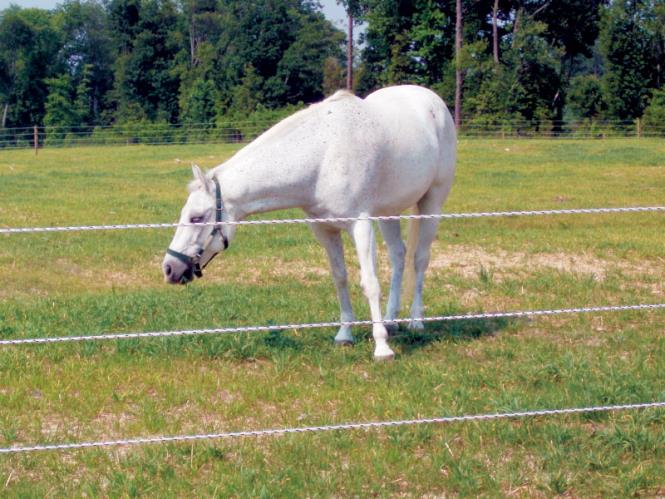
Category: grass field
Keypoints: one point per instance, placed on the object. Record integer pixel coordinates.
(85, 283)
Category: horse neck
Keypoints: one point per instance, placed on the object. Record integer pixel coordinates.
(268, 179)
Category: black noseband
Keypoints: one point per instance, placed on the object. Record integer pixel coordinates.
(192, 262)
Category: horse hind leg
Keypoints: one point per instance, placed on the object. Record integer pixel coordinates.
(396, 250)
(430, 204)
(331, 240)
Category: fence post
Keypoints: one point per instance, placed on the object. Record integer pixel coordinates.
(36, 139)
(639, 128)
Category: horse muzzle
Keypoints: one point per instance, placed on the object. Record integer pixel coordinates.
(179, 268)
(177, 271)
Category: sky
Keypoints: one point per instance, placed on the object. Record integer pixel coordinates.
(331, 9)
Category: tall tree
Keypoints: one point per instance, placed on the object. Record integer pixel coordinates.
(572, 25)
(203, 23)
(388, 22)
(354, 12)
(535, 66)
(59, 109)
(86, 102)
(495, 31)
(191, 60)
(301, 66)
(286, 42)
(430, 41)
(29, 44)
(349, 53)
(655, 24)
(87, 54)
(629, 65)
(458, 63)
(502, 14)
(145, 76)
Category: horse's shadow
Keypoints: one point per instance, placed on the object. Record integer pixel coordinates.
(447, 331)
(409, 340)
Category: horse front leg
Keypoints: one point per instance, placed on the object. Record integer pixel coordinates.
(331, 240)
(363, 236)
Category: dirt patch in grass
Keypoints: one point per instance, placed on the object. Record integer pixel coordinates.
(469, 260)
(267, 269)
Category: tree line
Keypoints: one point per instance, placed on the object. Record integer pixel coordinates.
(97, 63)
(537, 63)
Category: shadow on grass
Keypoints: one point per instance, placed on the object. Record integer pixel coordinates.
(278, 340)
(449, 331)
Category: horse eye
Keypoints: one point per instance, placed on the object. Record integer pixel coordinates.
(196, 220)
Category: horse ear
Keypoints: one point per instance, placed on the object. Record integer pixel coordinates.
(200, 176)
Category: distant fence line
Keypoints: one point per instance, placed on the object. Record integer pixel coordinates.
(244, 131)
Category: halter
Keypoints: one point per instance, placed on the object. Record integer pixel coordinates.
(193, 262)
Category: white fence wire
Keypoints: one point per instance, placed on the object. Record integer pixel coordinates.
(489, 214)
(324, 428)
(318, 325)
(343, 426)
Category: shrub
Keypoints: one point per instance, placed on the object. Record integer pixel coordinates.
(654, 115)
(585, 96)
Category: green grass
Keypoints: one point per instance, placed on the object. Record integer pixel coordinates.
(85, 283)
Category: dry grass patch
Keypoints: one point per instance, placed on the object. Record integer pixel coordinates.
(468, 260)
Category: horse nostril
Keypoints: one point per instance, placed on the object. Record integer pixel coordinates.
(168, 269)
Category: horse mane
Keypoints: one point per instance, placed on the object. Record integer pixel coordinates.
(292, 122)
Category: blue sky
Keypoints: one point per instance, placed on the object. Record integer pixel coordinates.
(331, 9)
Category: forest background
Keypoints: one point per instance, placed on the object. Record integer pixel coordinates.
(531, 64)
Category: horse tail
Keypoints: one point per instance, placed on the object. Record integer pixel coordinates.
(409, 280)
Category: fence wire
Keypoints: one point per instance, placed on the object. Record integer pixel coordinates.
(332, 220)
(319, 325)
(324, 428)
(343, 426)
(243, 131)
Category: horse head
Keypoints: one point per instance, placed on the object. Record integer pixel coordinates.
(200, 235)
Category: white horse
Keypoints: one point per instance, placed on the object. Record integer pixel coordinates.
(342, 157)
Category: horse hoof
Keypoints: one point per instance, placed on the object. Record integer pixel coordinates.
(344, 343)
(391, 327)
(416, 326)
(384, 358)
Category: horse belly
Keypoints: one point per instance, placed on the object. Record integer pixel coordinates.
(378, 185)
(404, 180)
